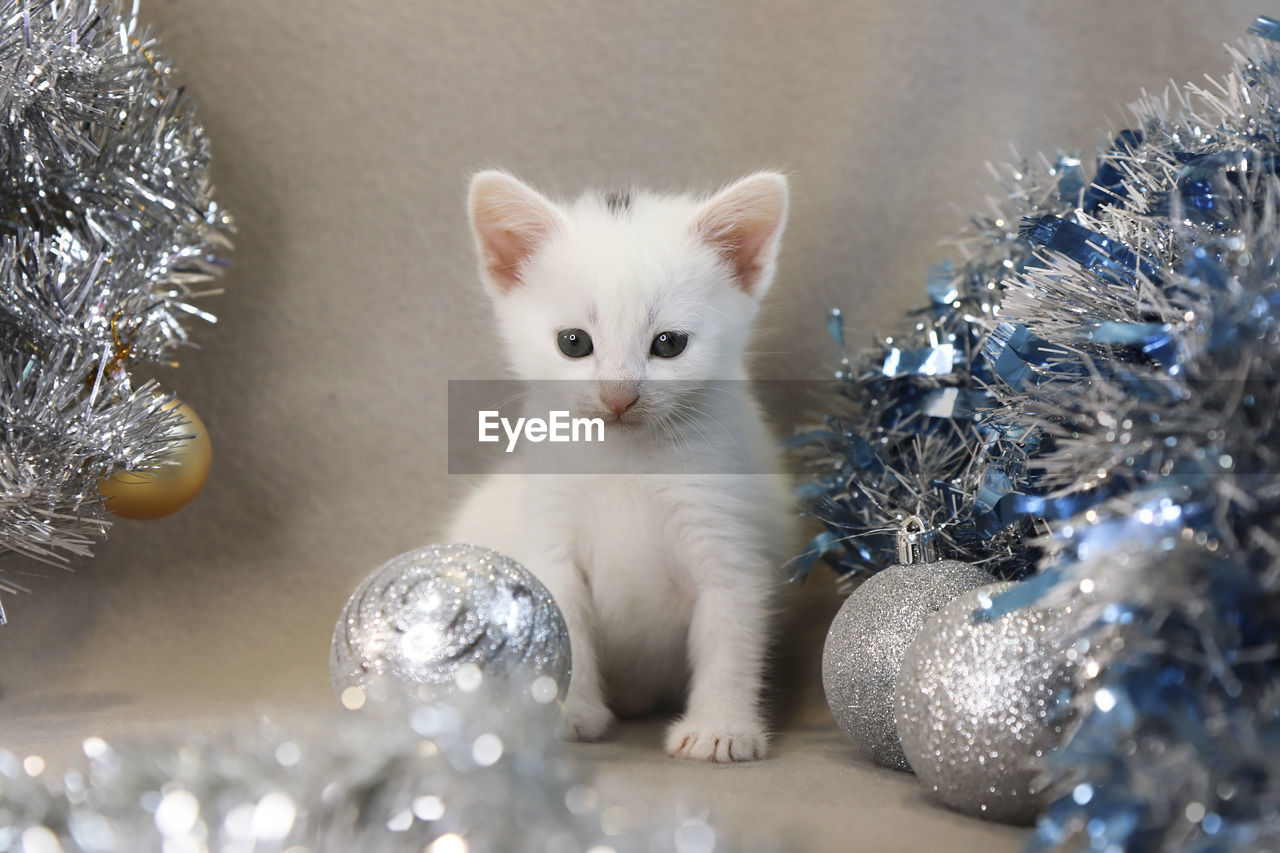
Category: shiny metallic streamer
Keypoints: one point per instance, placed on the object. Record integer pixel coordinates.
(866, 643)
(424, 615)
(477, 773)
(980, 701)
(1152, 402)
(908, 434)
(1130, 376)
(1176, 744)
(108, 235)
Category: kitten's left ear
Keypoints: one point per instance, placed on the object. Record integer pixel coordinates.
(744, 223)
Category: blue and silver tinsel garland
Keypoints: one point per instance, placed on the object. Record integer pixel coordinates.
(1114, 382)
(913, 435)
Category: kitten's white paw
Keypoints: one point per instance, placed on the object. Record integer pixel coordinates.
(717, 741)
(582, 720)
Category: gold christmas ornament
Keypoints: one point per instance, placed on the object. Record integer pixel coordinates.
(149, 493)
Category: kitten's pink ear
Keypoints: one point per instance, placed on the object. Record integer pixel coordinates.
(511, 222)
(744, 223)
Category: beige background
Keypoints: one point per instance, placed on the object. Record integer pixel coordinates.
(344, 134)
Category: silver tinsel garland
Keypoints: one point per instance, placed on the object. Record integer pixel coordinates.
(478, 773)
(108, 231)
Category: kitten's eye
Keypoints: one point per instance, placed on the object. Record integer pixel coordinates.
(575, 343)
(669, 344)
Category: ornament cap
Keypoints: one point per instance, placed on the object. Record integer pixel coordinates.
(916, 542)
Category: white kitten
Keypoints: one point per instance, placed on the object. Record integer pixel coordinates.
(666, 580)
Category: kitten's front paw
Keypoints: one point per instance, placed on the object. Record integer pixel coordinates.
(582, 720)
(717, 741)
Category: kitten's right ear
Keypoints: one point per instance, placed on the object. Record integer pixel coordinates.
(511, 222)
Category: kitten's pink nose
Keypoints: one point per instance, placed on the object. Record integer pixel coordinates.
(619, 399)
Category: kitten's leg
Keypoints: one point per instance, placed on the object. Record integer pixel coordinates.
(727, 640)
(585, 715)
(503, 515)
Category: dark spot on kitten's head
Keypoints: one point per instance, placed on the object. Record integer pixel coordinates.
(618, 202)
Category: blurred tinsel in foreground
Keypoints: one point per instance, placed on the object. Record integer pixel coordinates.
(108, 230)
(476, 771)
(1095, 392)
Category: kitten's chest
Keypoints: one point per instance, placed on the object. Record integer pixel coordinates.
(624, 547)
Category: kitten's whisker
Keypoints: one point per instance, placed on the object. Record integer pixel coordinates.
(672, 435)
(681, 435)
(686, 428)
(695, 420)
(519, 395)
(718, 387)
(701, 414)
(691, 422)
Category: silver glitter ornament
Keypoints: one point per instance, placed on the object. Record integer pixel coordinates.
(980, 702)
(870, 634)
(423, 615)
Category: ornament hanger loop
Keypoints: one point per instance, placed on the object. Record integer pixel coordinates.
(916, 542)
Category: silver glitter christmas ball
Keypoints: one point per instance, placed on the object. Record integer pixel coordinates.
(980, 702)
(424, 614)
(866, 642)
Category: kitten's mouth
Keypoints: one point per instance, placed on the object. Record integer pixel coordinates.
(625, 421)
(628, 420)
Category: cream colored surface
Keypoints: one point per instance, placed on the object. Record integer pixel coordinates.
(344, 134)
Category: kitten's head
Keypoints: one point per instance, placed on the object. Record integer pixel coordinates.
(621, 291)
